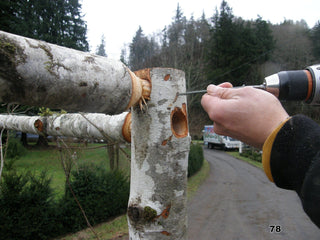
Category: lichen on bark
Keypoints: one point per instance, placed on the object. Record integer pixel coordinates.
(11, 56)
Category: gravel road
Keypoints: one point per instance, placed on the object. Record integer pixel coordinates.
(237, 201)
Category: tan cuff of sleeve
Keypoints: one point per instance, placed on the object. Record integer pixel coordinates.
(266, 150)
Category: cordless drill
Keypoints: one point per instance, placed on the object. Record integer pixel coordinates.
(295, 85)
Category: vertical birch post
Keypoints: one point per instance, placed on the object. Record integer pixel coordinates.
(159, 161)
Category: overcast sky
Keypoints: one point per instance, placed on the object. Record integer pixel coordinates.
(119, 20)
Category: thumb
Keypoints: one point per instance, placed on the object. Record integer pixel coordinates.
(217, 91)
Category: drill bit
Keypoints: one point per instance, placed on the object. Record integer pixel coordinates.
(261, 86)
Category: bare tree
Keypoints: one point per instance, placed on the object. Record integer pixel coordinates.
(293, 45)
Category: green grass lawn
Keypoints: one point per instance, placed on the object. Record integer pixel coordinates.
(37, 160)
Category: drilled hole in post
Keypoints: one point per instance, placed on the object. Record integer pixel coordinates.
(167, 77)
(179, 123)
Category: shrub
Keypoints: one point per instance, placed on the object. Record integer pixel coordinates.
(15, 148)
(252, 154)
(30, 211)
(27, 207)
(101, 194)
(195, 159)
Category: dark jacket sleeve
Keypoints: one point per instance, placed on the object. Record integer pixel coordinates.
(295, 162)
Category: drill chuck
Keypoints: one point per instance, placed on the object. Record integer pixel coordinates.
(315, 74)
(296, 85)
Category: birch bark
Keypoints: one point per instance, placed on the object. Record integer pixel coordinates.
(37, 73)
(19, 123)
(99, 126)
(159, 159)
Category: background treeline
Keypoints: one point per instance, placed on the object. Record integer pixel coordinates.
(223, 48)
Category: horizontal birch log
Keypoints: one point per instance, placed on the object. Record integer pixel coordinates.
(98, 126)
(37, 73)
(19, 123)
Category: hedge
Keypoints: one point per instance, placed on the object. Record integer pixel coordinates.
(195, 159)
(101, 194)
(29, 209)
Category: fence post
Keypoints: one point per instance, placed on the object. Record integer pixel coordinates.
(159, 161)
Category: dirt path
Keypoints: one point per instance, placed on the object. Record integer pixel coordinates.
(238, 202)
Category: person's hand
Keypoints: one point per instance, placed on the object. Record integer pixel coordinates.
(247, 114)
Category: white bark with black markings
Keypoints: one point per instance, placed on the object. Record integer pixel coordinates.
(37, 73)
(159, 161)
(19, 123)
(95, 125)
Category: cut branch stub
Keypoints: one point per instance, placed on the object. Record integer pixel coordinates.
(38, 124)
(37, 73)
(146, 86)
(159, 160)
(126, 128)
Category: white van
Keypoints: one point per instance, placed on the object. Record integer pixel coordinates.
(211, 139)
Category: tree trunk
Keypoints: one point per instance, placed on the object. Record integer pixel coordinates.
(111, 155)
(117, 146)
(24, 139)
(98, 126)
(37, 73)
(42, 141)
(159, 161)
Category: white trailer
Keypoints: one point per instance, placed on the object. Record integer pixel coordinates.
(211, 139)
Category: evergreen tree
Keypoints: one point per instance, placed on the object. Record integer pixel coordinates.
(137, 49)
(176, 30)
(176, 39)
(221, 41)
(101, 48)
(55, 21)
(124, 55)
(264, 41)
(236, 46)
(164, 38)
(142, 51)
